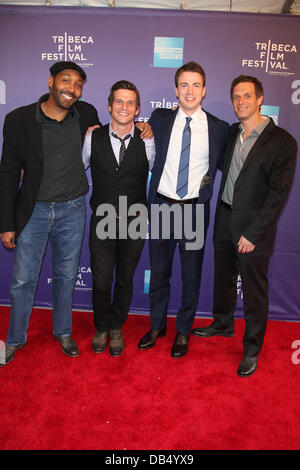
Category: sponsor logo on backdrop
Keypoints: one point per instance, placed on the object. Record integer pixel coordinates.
(296, 94)
(74, 48)
(147, 275)
(271, 57)
(168, 52)
(2, 92)
(271, 111)
(83, 281)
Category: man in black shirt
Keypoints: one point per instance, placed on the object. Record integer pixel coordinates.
(43, 141)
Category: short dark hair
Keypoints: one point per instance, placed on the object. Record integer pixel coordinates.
(190, 67)
(259, 91)
(124, 85)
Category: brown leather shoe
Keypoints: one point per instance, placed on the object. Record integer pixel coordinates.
(149, 340)
(9, 353)
(117, 344)
(100, 341)
(180, 346)
(68, 346)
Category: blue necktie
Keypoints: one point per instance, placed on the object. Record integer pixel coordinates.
(183, 170)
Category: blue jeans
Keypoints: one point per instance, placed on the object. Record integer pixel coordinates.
(62, 223)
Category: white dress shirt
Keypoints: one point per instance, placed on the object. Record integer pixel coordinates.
(199, 155)
(116, 144)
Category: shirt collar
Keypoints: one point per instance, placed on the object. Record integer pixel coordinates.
(198, 116)
(258, 129)
(41, 117)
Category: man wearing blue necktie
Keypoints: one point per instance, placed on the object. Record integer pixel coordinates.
(189, 148)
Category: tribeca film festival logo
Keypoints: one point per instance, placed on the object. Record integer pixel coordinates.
(168, 52)
(272, 57)
(69, 47)
(83, 281)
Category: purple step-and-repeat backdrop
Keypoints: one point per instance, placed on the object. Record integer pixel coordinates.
(146, 47)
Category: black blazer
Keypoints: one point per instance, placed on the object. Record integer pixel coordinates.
(262, 186)
(23, 150)
(162, 121)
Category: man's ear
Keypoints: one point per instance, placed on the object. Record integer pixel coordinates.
(50, 81)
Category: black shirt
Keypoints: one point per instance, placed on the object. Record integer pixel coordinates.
(64, 177)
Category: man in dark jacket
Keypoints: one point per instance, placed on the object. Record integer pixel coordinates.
(257, 177)
(189, 149)
(43, 142)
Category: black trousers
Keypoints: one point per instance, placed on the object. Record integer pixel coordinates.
(253, 268)
(112, 259)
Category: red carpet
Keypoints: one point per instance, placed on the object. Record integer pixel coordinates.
(146, 399)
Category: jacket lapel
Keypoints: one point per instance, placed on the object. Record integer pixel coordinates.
(255, 150)
(36, 135)
(166, 135)
(229, 153)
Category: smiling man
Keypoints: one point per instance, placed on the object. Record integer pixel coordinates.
(189, 149)
(258, 173)
(120, 161)
(43, 142)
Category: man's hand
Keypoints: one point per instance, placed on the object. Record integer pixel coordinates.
(91, 129)
(146, 130)
(8, 239)
(244, 246)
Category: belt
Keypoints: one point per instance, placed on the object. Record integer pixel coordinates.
(228, 206)
(177, 201)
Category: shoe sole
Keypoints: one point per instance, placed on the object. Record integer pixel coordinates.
(225, 335)
(116, 355)
(98, 351)
(160, 335)
(68, 354)
(179, 356)
(245, 376)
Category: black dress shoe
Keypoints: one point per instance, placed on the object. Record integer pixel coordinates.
(117, 344)
(148, 341)
(68, 346)
(248, 366)
(180, 346)
(9, 354)
(208, 331)
(100, 341)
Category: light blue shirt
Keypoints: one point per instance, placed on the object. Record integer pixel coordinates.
(116, 144)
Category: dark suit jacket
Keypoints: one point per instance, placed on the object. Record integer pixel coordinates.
(262, 186)
(23, 150)
(162, 121)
